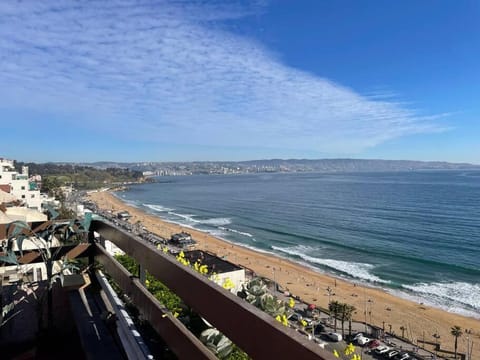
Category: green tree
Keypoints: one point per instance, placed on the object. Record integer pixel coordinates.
(334, 307)
(345, 312)
(348, 317)
(456, 332)
(50, 184)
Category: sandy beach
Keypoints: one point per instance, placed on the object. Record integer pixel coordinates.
(383, 309)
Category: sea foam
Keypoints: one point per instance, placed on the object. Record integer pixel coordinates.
(158, 208)
(357, 270)
(190, 219)
(236, 231)
(449, 295)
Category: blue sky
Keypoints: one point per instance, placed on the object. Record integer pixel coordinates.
(188, 80)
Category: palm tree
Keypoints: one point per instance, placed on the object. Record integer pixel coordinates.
(342, 310)
(456, 331)
(345, 312)
(349, 310)
(334, 309)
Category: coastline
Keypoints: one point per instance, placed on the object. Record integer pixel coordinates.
(382, 307)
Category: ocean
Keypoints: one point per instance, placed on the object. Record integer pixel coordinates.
(416, 234)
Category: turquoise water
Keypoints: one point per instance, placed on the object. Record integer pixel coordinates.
(416, 234)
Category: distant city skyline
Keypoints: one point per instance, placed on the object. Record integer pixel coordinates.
(190, 80)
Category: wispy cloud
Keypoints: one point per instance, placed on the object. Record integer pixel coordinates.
(170, 68)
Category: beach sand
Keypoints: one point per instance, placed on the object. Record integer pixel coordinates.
(386, 310)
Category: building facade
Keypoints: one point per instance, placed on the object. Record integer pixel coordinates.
(19, 184)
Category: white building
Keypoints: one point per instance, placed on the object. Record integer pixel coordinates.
(227, 274)
(19, 185)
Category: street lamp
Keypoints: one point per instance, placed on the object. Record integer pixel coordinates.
(469, 345)
(330, 291)
(370, 302)
(436, 336)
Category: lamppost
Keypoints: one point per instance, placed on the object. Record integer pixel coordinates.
(469, 346)
(370, 302)
(330, 291)
(436, 336)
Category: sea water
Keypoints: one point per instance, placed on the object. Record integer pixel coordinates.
(416, 234)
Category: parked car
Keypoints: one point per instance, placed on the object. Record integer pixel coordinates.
(318, 329)
(382, 349)
(391, 354)
(374, 344)
(402, 356)
(357, 335)
(307, 320)
(334, 336)
(362, 340)
(295, 317)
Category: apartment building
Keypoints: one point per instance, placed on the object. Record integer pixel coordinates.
(19, 185)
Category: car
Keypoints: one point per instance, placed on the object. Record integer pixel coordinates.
(362, 340)
(374, 344)
(391, 354)
(402, 356)
(334, 336)
(318, 329)
(382, 349)
(307, 320)
(295, 317)
(357, 336)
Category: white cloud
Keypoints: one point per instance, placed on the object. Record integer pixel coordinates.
(170, 68)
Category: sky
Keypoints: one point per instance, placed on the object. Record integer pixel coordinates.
(189, 80)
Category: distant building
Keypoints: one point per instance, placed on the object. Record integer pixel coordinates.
(124, 215)
(182, 240)
(19, 185)
(224, 270)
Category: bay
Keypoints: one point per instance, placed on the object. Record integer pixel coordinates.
(416, 234)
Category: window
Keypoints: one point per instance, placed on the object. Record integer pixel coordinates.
(32, 196)
(23, 196)
(23, 187)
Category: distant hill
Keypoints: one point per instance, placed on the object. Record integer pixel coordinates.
(281, 165)
(80, 176)
(362, 164)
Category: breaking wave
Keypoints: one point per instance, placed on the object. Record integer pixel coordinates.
(360, 271)
(459, 297)
(157, 208)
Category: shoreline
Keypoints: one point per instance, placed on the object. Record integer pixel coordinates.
(382, 286)
(383, 309)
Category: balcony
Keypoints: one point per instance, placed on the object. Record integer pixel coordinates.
(255, 332)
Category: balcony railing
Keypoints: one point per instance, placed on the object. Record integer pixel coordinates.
(255, 332)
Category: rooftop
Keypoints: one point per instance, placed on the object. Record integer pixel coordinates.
(212, 261)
